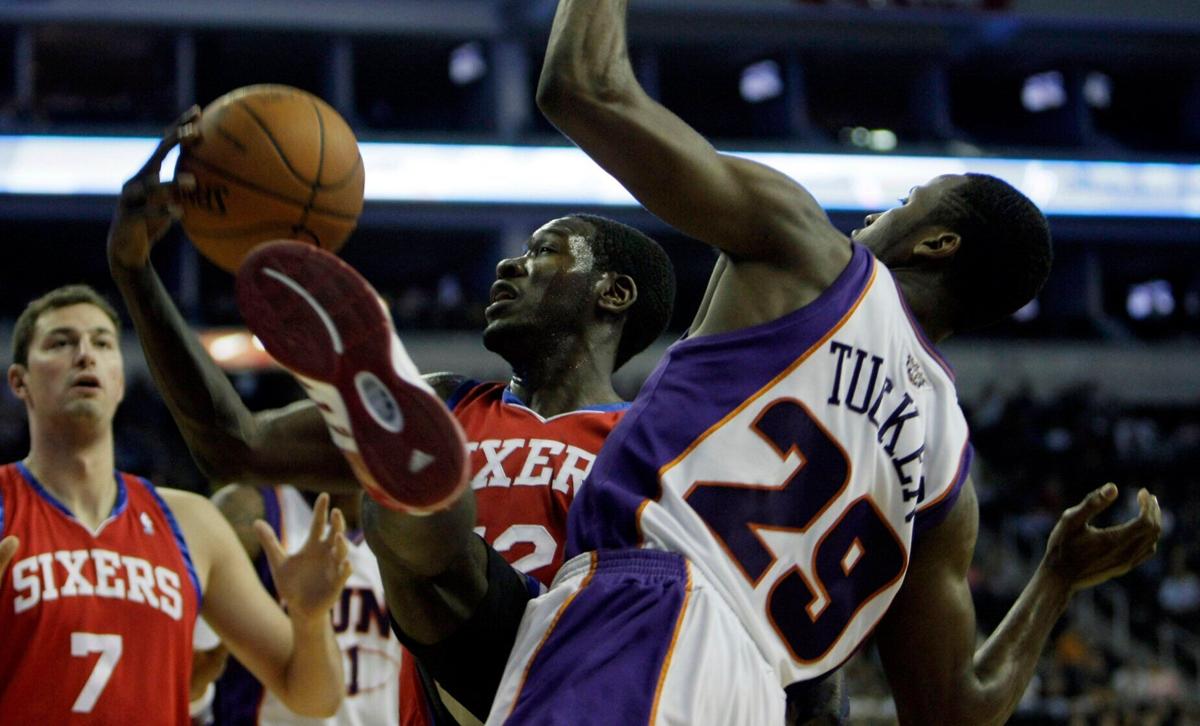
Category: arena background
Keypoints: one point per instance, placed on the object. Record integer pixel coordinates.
(1098, 380)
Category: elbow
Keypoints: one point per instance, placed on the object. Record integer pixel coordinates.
(566, 92)
(556, 92)
(328, 706)
(324, 707)
(222, 455)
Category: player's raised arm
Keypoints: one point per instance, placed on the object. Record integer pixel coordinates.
(293, 654)
(750, 211)
(927, 638)
(227, 441)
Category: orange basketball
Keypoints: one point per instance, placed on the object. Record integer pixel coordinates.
(271, 162)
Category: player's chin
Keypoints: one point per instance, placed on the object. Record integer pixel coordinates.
(85, 409)
(502, 334)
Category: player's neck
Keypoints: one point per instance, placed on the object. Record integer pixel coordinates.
(552, 389)
(566, 373)
(553, 400)
(78, 473)
(927, 302)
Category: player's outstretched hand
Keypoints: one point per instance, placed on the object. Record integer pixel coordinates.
(310, 581)
(8, 549)
(1082, 555)
(147, 206)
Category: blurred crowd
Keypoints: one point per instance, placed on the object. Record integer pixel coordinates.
(1128, 653)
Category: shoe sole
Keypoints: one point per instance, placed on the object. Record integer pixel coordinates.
(322, 321)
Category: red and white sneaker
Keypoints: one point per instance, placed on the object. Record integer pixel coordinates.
(321, 320)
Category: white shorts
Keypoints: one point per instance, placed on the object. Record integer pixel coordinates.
(634, 637)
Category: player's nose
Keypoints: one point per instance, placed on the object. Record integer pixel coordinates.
(509, 267)
(85, 354)
(870, 219)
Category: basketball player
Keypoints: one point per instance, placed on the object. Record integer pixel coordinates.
(98, 602)
(793, 477)
(360, 621)
(821, 489)
(531, 440)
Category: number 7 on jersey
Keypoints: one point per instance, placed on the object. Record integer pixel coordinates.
(109, 647)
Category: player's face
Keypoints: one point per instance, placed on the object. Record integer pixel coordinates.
(891, 235)
(548, 288)
(75, 366)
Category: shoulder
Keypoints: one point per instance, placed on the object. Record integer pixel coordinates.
(182, 501)
(204, 529)
(191, 510)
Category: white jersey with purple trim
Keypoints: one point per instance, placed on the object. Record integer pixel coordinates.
(360, 621)
(794, 463)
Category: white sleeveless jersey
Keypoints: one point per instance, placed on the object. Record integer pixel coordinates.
(360, 621)
(793, 464)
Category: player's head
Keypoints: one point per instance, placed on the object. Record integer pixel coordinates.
(67, 355)
(579, 272)
(987, 241)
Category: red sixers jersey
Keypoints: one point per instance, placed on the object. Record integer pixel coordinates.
(97, 625)
(525, 470)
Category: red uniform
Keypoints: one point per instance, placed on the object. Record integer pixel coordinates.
(97, 625)
(525, 472)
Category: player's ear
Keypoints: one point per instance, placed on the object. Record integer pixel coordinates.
(16, 380)
(938, 244)
(618, 292)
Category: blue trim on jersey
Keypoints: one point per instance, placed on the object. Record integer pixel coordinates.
(3, 524)
(460, 393)
(179, 540)
(122, 496)
(118, 506)
(510, 397)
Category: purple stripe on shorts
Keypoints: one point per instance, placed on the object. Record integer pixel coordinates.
(602, 662)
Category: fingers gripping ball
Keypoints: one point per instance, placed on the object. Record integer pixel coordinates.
(270, 162)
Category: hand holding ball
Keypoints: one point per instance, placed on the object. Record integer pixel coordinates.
(270, 162)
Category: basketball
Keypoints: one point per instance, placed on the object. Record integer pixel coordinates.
(270, 162)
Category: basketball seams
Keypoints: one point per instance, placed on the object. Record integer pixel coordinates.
(228, 136)
(351, 176)
(287, 163)
(312, 189)
(243, 197)
(320, 145)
